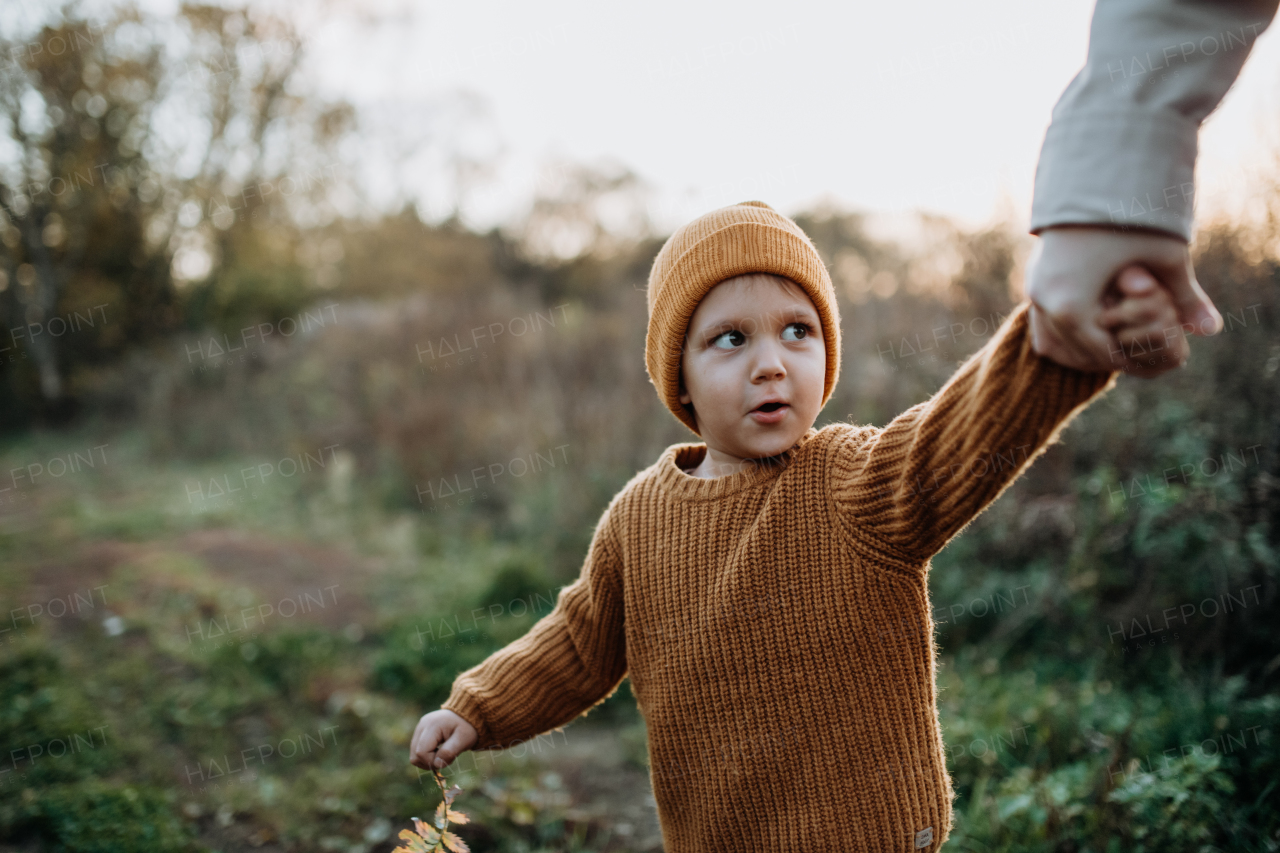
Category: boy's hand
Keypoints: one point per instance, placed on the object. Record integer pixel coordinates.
(440, 737)
(1143, 319)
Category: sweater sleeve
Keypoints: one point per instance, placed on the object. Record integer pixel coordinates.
(1121, 145)
(571, 659)
(913, 485)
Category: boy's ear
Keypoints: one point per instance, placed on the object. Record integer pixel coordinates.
(684, 392)
(686, 398)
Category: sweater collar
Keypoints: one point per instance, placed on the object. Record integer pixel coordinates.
(681, 486)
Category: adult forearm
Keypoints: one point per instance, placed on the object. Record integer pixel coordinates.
(1122, 144)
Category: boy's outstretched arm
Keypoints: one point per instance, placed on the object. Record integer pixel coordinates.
(570, 660)
(910, 487)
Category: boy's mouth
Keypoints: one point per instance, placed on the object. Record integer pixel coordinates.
(770, 411)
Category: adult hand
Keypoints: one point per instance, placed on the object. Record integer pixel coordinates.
(1071, 269)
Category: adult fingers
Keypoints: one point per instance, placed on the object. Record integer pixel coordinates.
(1179, 346)
(1095, 345)
(1161, 324)
(1137, 312)
(1048, 341)
(1136, 280)
(1154, 349)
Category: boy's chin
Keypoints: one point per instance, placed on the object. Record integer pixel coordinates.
(760, 442)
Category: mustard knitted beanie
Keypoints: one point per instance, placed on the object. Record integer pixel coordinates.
(750, 237)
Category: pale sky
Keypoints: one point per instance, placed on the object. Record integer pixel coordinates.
(886, 107)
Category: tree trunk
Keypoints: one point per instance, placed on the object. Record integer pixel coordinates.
(40, 343)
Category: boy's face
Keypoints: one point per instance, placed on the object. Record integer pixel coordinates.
(754, 338)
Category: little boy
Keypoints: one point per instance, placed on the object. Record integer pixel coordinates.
(744, 583)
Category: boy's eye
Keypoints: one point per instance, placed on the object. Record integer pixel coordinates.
(801, 331)
(718, 339)
(803, 328)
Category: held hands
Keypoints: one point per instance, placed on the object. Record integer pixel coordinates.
(440, 737)
(1142, 318)
(1067, 282)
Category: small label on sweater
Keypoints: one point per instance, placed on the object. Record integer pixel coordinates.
(924, 837)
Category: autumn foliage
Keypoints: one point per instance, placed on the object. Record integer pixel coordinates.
(437, 839)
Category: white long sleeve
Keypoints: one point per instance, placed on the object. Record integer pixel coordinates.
(1121, 146)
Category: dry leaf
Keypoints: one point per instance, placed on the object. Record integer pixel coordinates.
(413, 843)
(454, 843)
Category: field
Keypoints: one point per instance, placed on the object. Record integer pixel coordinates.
(208, 647)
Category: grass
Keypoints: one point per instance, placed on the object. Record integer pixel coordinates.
(221, 717)
(204, 711)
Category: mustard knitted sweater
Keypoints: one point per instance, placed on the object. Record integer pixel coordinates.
(759, 617)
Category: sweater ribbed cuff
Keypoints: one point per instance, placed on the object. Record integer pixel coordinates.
(467, 705)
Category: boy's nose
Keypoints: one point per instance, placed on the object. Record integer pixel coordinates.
(769, 364)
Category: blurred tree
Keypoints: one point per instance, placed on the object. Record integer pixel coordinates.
(140, 153)
(72, 220)
(585, 210)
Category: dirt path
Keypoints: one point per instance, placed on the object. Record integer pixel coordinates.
(274, 570)
(605, 787)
